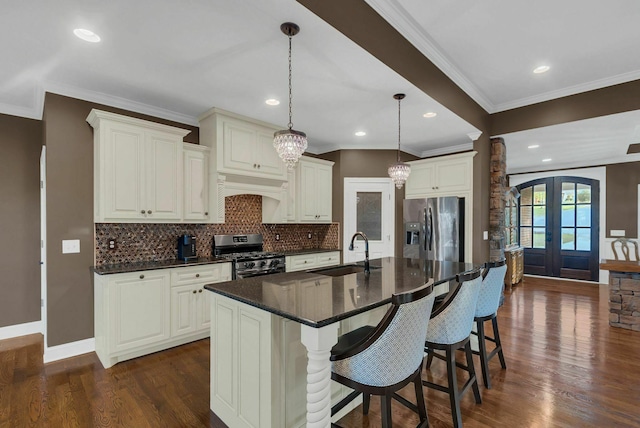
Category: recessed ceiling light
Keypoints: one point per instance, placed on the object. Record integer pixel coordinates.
(430, 114)
(546, 160)
(272, 102)
(541, 69)
(533, 146)
(360, 134)
(86, 35)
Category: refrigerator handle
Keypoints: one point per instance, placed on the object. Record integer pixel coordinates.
(428, 241)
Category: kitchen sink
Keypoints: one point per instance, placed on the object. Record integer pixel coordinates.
(342, 270)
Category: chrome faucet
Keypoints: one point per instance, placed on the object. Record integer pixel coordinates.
(366, 250)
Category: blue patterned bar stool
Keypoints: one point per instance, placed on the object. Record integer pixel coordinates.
(383, 359)
(449, 330)
(487, 309)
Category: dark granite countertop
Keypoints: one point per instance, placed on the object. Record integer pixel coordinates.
(318, 300)
(308, 251)
(152, 265)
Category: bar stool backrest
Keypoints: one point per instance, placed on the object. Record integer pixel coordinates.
(491, 288)
(624, 243)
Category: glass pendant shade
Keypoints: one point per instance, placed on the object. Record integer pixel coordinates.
(399, 173)
(290, 145)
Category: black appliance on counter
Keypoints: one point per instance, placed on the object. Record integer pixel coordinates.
(246, 255)
(187, 247)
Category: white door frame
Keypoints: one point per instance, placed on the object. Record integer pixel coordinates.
(382, 184)
(43, 243)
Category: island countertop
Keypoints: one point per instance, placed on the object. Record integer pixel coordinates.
(316, 300)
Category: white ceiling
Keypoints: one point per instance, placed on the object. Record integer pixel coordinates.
(178, 59)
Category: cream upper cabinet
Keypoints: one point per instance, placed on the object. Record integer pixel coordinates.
(196, 182)
(137, 169)
(313, 186)
(446, 175)
(242, 146)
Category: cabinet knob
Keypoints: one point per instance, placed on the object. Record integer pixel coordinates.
(200, 291)
(206, 213)
(258, 166)
(149, 212)
(255, 165)
(197, 275)
(141, 276)
(194, 291)
(142, 212)
(305, 261)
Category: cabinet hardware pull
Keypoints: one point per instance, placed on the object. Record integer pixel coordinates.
(200, 291)
(197, 275)
(194, 291)
(149, 212)
(206, 213)
(255, 165)
(142, 212)
(141, 276)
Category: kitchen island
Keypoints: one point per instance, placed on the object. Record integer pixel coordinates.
(260, 325)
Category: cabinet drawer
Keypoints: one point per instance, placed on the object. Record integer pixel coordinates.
(201, 274)
(328, 259)
(301, 262)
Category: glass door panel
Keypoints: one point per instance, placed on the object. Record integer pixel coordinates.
(369, 214)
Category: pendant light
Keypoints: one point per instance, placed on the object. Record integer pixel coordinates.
(400, 171)
(289, 143)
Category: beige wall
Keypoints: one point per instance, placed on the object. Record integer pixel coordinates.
(20, 145)
(69, 140)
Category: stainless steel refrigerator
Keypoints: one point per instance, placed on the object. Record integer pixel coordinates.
(434, 229)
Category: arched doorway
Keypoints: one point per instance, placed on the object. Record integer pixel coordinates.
(559, 227)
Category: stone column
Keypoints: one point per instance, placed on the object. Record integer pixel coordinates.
(498, 186)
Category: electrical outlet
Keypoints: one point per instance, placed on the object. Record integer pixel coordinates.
(277, 236)
(309, 235)
(113, 244)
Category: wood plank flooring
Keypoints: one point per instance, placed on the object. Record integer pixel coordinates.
(566, 368)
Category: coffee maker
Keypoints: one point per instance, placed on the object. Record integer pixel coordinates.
(187, 247)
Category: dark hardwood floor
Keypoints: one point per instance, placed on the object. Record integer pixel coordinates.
(566, 368)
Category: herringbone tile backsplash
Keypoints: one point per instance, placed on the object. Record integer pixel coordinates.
(138, 242)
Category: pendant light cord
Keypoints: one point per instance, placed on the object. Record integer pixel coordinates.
(290, 121)
(399, 100)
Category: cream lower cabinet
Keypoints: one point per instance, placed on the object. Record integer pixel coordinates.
(259, 364)
(138, 313)
(311, 261)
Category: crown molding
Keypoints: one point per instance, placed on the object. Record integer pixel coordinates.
(474, 135)
(578, 164)
(447, 150)
(570, 90)
(118, 102)
(403, 22)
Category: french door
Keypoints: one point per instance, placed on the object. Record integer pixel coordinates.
(559, 227)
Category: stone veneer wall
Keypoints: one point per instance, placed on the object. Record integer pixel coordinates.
(498, 183)
(624, 300)
(243, 214)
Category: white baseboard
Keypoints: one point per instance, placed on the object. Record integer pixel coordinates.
(20, 330)
(68, 350)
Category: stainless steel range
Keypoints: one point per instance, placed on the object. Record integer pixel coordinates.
(245, 253)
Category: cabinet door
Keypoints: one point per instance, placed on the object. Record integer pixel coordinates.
(314, 297)
(301, 262)
(269, 163)
(307, 197)
(239, 144)
(123, 164)
(140, 309)
(453, 176)
(183, 309)
(323, 193)
(196, 190)
(203, 310)
(421, 181)
(163, 182)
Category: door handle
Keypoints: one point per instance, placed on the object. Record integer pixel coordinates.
(549, 237)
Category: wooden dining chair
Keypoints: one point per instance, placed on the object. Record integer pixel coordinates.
(382, 359)
(624, 244)
(449, 330)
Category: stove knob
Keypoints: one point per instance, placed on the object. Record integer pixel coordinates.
(275, 263)
(263, 263)
(249, 265)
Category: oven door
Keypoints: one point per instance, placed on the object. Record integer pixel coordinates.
(258, 272)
